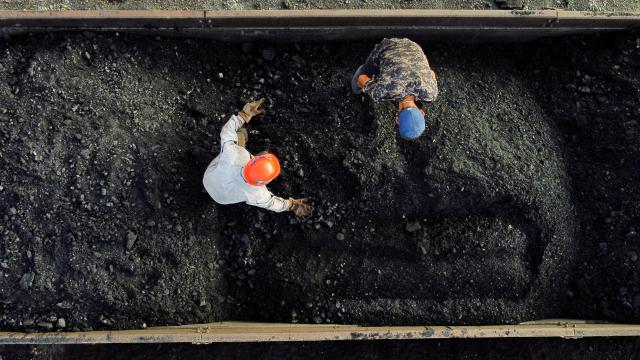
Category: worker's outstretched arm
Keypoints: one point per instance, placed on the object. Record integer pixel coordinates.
(266, 200)
(229, 132)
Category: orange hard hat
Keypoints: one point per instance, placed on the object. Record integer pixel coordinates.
(260, 170)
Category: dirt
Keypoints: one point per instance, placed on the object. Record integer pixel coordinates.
(517, 205)
(598, 348)
(577, 5)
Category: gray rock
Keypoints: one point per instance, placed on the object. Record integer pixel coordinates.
(247, 47)
(131, 239)
(27, 280)
(269, 53)
(45, 325)
(12, 211)
(633, 256)
(340, 236)
(413, 226)
(64, 305)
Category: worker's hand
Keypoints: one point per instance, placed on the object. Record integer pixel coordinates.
(251, 109)
(299, 207)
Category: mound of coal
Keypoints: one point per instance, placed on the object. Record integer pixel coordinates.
(594, 95)
(105, 139)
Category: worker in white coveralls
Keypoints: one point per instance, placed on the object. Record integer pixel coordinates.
(236, 176)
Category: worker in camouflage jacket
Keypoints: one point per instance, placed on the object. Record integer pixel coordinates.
(398, 70)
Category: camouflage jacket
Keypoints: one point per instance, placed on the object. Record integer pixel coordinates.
(399, 68)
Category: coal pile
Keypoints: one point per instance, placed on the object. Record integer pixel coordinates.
(503, 212)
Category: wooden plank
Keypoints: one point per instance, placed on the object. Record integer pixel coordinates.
(267, 332)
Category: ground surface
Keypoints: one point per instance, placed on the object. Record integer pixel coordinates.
(518, 204)
(582, 5)
(538, 349)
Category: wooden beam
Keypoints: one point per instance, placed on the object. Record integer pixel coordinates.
(265, 332)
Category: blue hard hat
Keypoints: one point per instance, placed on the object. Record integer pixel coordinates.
(354, 80)
(411, 123)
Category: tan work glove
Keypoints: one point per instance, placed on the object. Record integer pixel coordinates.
(251, 109)
(299, 207)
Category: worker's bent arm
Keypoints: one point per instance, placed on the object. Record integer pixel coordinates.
(268, 201)
(229, 132)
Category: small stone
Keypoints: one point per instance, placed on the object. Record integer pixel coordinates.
(584, 89)
(633, 256)
(4, 264)
(64, 305)
(340, 236)
(622, 291)
(298, 60)
(61, 323)
(413, 226)
(251, 272)
(27, 280)
(12, 211)
(151, 223)
(131, 239)
(45, 325)
(301, 173)
(103, 192)
(247, 47)
(269, 53)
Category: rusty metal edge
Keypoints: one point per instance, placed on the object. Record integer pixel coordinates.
(323, 25)
(320, 18)
(270, 332)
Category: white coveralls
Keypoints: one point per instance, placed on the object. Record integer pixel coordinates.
(223, 178)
